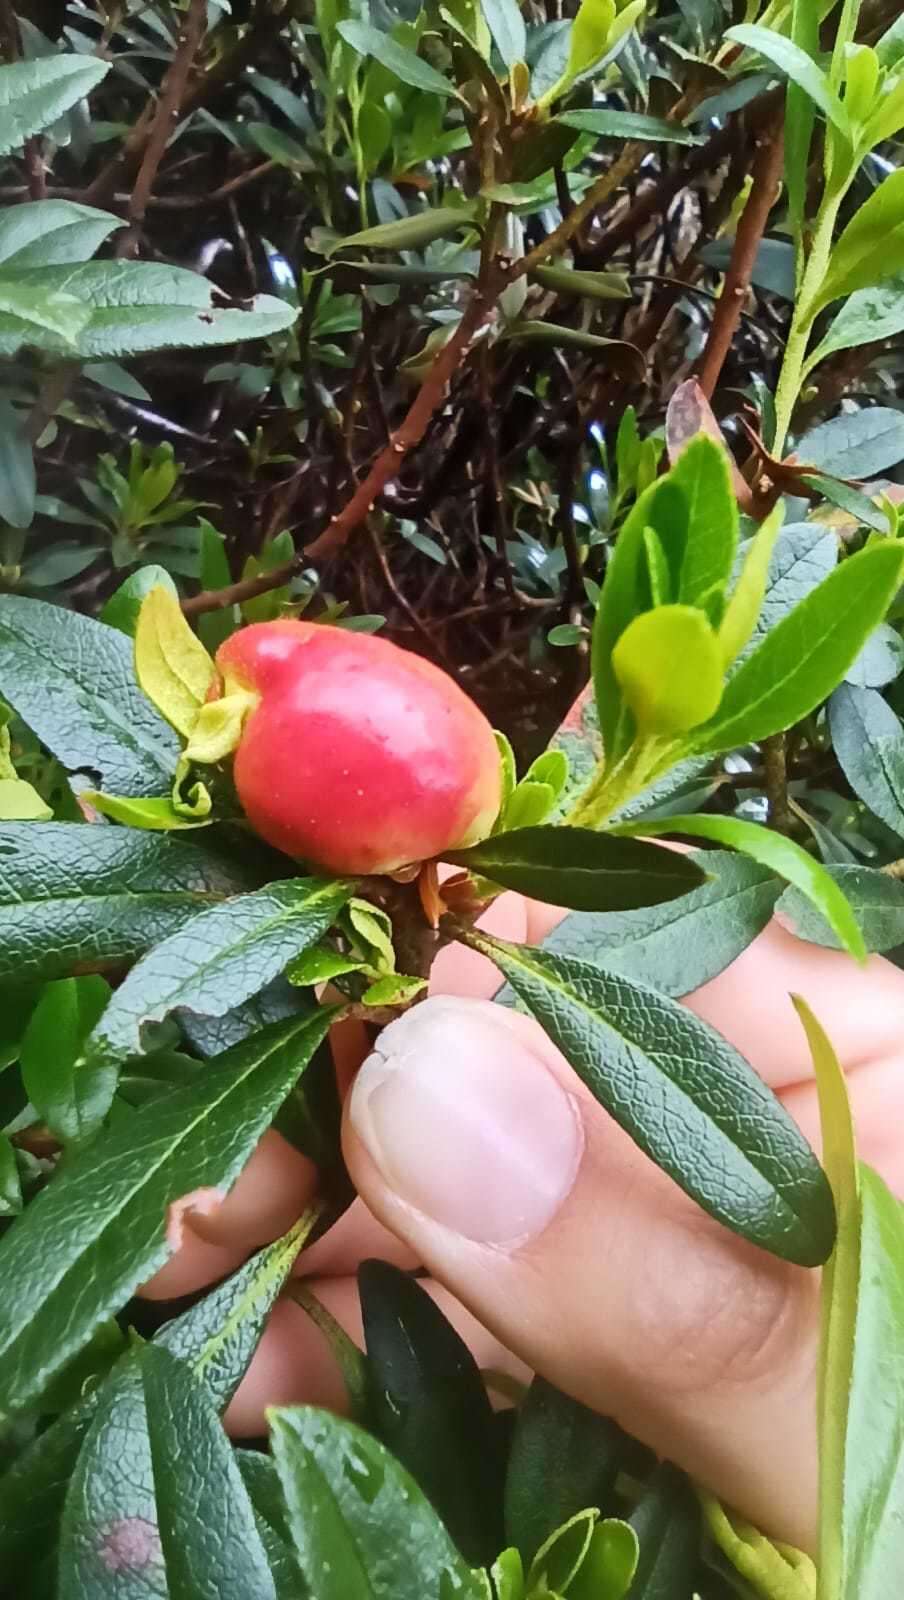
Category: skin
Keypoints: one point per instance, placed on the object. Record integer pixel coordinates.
(627, 1296)
(359, 757)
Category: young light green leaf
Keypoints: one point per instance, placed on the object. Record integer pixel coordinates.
(770, 1569)
(609, 1563)
(870, 248)
(869, 742)
(123, 608)
(101, 1226)
(222, 957)
(868, 316)
(560, 1557)
(72, 680)
(550, 768)
(563, 1458)
(171, 664)
(34, 94)
(73, 896)
(158, 814)
(507, 1574)
(702, 474)
(407, 66)
(798, 664)
(59, 1025)
(580, 868)
(876, 899)
(628, 125)
(361, 1526)
(506, 25)
(668, 665)
(773, 850)
(794, 63)
(410, 233)
(746, 601)
(20, 802)
(426, 1385)
(652, 1065)
(528, 806)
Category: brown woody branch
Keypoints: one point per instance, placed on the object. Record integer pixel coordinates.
(767, 171)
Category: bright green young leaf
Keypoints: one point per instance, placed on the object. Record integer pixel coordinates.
(171, 664)
(870, 248)
(666, 1520)
(785, 858)
(10, 1183)
(20, 802)
(628, 125)
(869, 742)
(652, 1065)
(362, 1528)
(426, 1386)
(507, 1574)
(563, 1458)
(800, 115)
(798, 664)
(215, 626)
(407, 66)
(222, 957)
(680, 945)
(52, 233)
(61, 1021)
(580, 868)
(157, 814)
(746, 601)
(506, 25)
(796, 64)
(123, 608)
(410, 233)
(34, 94)
(100, 1228)
(702, 475)
(560, 1557)
(72, 680)
(73, 896)
(876, 899)
(589, 38)
(528, 805)
(609, 1563)
(668, 665)
(768, 1568)
(550, 768)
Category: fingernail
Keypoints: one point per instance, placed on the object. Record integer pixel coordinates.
(466, 1123)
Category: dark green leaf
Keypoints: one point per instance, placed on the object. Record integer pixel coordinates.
(74, 896)
(628, 125)
(655, 1067)
(591, 285)
(10, 1184)
(214, 626)
(221, 958)
(848, 499)
(122, 608)
(773, 265)
(99, 1229)
(580, 868)
(564, 1457)
(869, 742)
(785, 858)
(361, 1526)
(51, 233)
(876, 900)
(410, 233)
(427, 1388)
(72, 680)
(858, 444)
(404, 63)
(667, 1523)
(266, 1496)
(506, 24)
(798, 664)
(678, 947)
(17, 466)
(33, 94)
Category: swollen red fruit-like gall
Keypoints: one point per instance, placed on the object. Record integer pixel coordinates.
(358, 757)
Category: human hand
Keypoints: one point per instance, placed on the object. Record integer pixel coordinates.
(474, 1145)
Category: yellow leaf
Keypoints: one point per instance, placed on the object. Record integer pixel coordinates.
(19, 802)
(172, 665)
(669, 668)
(218, 727)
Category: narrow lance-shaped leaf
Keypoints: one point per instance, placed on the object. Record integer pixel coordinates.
(407, 66)
(100, 1228)
(794, 63)
(871, 247)
(506, 25)
(629, 125)
(581, 868)
(409, 233)
(685, 1096)
(220, 959)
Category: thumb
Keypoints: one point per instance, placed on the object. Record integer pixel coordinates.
(470, 1137)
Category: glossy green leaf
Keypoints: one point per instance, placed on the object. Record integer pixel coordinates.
(868, 316)
(869, 742)
(214, 627)
(427, 1388)
(157, 814)
(74, 896)
(798, 664)
(746, 601)
(796, 64)
(666, 1520)
(678, 946)
(609, 1563)
(100, 1228)
(564, 1457)
(506, 25)
(410, 233)
(157, 1495)
(870, 248)
(124, 605)
(362, 1528)
(33, 94)
(628, 125)
(669, 668)
(507, 1573)
(222, 957)
(407, 66)
(785, 858)
(580, 868)
(71, 679)
(61, 1021)
(10, 1184)
(876, 899)
(652, 1065)
(702, 475)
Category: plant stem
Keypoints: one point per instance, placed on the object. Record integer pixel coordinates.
(611, 788)
(791, 375)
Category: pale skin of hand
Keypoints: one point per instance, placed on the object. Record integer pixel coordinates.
(614, 1285)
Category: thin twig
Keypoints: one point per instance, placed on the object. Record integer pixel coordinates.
(776, 775)
(767, 173)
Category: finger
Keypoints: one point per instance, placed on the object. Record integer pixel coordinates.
(472, 1139)
(294, 1365)
(356, 1236)
(193, 1266)
(269, 1194)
